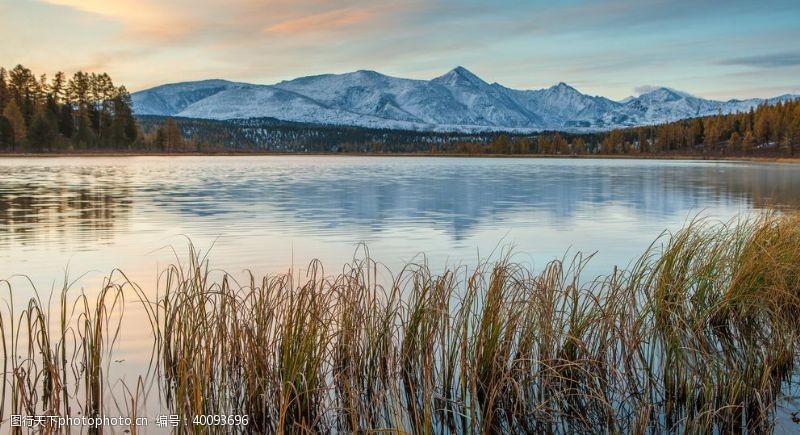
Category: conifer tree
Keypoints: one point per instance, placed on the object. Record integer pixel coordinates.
(58, 88)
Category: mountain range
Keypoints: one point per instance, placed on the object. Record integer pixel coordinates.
(456, 101)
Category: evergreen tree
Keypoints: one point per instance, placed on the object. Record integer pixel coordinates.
(22, 85)
(58, 88)
(78, 89)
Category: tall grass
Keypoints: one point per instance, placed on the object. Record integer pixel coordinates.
(699, 335)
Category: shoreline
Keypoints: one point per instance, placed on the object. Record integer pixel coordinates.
(91, 154)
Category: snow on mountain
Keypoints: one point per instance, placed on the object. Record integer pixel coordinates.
(664, 104)
(456, 101)
(173, 98)
(563, 107)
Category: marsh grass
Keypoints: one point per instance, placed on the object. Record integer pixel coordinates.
(698, 335)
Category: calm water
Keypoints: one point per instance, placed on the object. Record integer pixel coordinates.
(270, 214)
(84, 217)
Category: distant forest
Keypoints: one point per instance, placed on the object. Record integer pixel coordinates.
(88, 113)
(768, 130)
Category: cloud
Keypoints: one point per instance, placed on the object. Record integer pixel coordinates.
(322, 22)
(144, 18)
(771, 60)
(231, 20)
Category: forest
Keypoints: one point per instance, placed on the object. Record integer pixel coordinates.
(768, 130)
(87, 112)
(83, 112)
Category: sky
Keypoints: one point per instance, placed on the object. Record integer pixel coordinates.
(615, 48)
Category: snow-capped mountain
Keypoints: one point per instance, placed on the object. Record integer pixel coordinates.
(456, 101)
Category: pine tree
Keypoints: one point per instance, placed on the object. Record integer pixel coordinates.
(22, 85)
(58, 88)
(78, 89)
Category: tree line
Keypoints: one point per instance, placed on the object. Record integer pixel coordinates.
(88, 112)
(769, 129)
(84, 111)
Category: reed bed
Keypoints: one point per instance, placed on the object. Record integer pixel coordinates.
(699, 335)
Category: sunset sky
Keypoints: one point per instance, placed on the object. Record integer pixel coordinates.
(615, 48)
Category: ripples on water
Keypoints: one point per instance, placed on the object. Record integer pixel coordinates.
(272, 213)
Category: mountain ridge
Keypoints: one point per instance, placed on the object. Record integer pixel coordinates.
(458, 100)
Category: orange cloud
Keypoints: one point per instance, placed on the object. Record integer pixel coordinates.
(145, 17)
(127, 10)
(323, 22)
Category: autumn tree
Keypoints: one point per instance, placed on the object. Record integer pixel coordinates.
(15, 117)
(560, 145)
(169, 136)
(501, 144)
(763, 125)
(612, 142)
(735, 141)
(579, 146)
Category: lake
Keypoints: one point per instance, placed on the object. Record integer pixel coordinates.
(77, 219)
(268, 214)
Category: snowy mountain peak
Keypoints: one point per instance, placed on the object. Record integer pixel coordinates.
(563, 88)
(460, 74)
(456, 101)
(665, 94)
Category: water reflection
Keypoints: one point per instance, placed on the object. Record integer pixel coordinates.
(271, 212)
(39, 206)
(457, 195)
